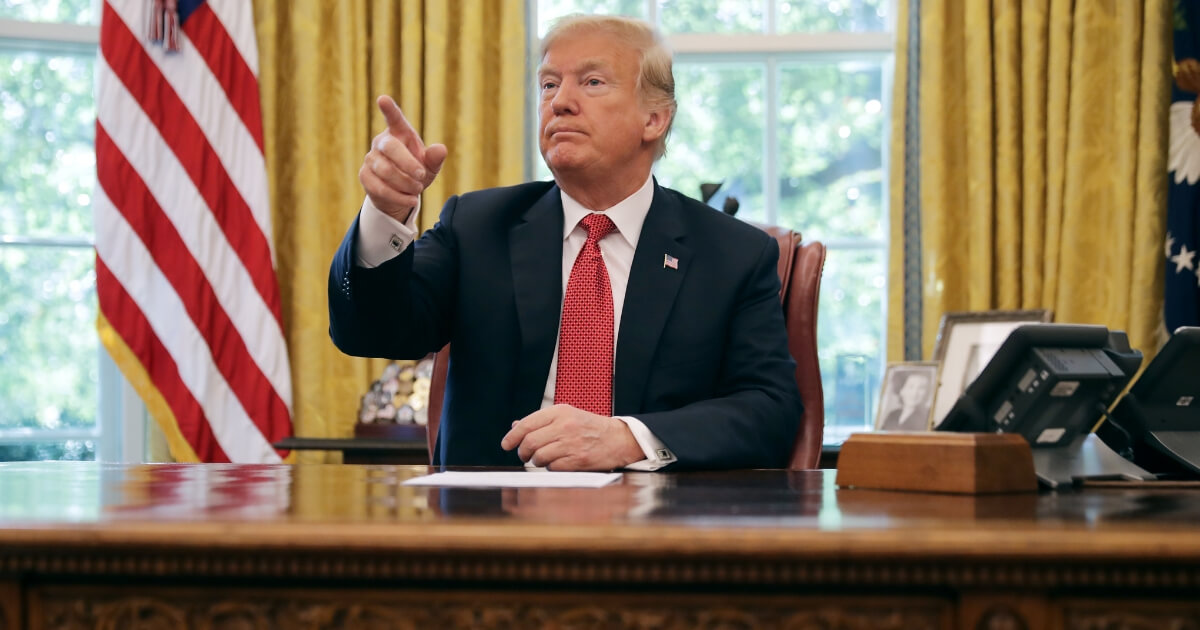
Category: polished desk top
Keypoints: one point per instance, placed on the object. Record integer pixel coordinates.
(763, 513)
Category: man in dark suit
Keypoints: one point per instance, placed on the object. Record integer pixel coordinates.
(596, 322)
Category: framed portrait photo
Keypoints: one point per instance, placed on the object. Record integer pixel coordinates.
(906, 396)
(965, 343)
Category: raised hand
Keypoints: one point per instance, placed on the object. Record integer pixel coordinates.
(563, 437)
(399, 167)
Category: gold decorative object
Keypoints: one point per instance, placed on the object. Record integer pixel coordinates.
(400, 396)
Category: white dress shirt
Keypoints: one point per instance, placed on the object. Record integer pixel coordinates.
(381, 238)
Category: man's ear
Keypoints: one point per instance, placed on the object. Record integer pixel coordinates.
(657, 121)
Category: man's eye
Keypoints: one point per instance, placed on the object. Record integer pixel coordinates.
(547, 85)
(594, 82)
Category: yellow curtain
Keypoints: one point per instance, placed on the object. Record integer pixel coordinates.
(1042, 167)
(457, 69)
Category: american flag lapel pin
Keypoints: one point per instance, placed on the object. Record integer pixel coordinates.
(670, 262)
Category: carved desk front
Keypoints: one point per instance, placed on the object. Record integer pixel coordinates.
(85, 545)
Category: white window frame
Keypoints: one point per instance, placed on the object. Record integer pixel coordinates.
(772, 49)
(120, 431)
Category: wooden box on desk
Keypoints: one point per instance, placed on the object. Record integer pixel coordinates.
(964, 463)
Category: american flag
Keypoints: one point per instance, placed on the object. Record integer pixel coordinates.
(189, 304)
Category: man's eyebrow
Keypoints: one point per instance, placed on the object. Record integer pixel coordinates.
(587, 65)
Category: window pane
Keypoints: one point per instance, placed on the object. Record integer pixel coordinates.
(48, 343)
(47, 163)
(849, 338)
(832, 15)
(831, 125)
(550, 10)
(70, 11)
(710, 16)
(718, 133)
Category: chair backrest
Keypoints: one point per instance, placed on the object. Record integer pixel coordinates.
(800, 267)
(437, 393)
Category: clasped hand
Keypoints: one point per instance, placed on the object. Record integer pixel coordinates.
(563, 437)
(399, 167)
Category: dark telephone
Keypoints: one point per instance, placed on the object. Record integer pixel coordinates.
(1051, 383)
(1161, 413)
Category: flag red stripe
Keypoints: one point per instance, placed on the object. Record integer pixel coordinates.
(129, 194)
(180, 131)
(129, 322)
(214, 44)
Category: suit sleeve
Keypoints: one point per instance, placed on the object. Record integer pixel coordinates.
(752, 418)
(401, 309)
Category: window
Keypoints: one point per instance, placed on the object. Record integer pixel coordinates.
(51, 363)
(786, 102)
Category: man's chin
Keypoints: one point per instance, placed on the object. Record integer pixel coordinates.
(564, 164)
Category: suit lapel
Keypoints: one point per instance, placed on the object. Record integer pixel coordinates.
(535, 246)
(649, 298)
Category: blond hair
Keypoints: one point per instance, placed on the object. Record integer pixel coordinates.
(655, 82)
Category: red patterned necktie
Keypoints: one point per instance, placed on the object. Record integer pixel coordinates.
(585, 342)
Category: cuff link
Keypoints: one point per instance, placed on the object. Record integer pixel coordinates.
(396, 242)
(665, 455)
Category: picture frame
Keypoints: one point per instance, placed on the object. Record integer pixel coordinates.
(906, 396)
(966, 342)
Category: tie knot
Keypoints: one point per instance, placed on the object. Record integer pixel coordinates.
(598, 226)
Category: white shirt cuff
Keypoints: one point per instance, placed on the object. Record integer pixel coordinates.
(657, 453)
(380, 237)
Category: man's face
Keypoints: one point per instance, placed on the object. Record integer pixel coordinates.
(914, 390)
(591, 120)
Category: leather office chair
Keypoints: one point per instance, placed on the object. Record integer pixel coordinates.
(800, 267)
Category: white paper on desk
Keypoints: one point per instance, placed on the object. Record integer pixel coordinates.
(512, 479)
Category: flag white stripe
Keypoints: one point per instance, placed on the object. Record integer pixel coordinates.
(188, 74)
(238, 18)
(133, 266)
(167, 180)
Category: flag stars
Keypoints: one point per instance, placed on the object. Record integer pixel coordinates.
(1170, 244)
(1183, 260)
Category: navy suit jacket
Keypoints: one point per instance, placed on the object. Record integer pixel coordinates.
(702, 355)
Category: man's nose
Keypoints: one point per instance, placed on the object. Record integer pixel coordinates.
(565, 101)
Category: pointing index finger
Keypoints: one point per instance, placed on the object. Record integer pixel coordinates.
(398, 125)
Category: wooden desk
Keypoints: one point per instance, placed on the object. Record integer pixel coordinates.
(224, 546)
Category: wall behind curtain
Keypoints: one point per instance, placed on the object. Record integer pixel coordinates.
(457, 69)
(1042, 162)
